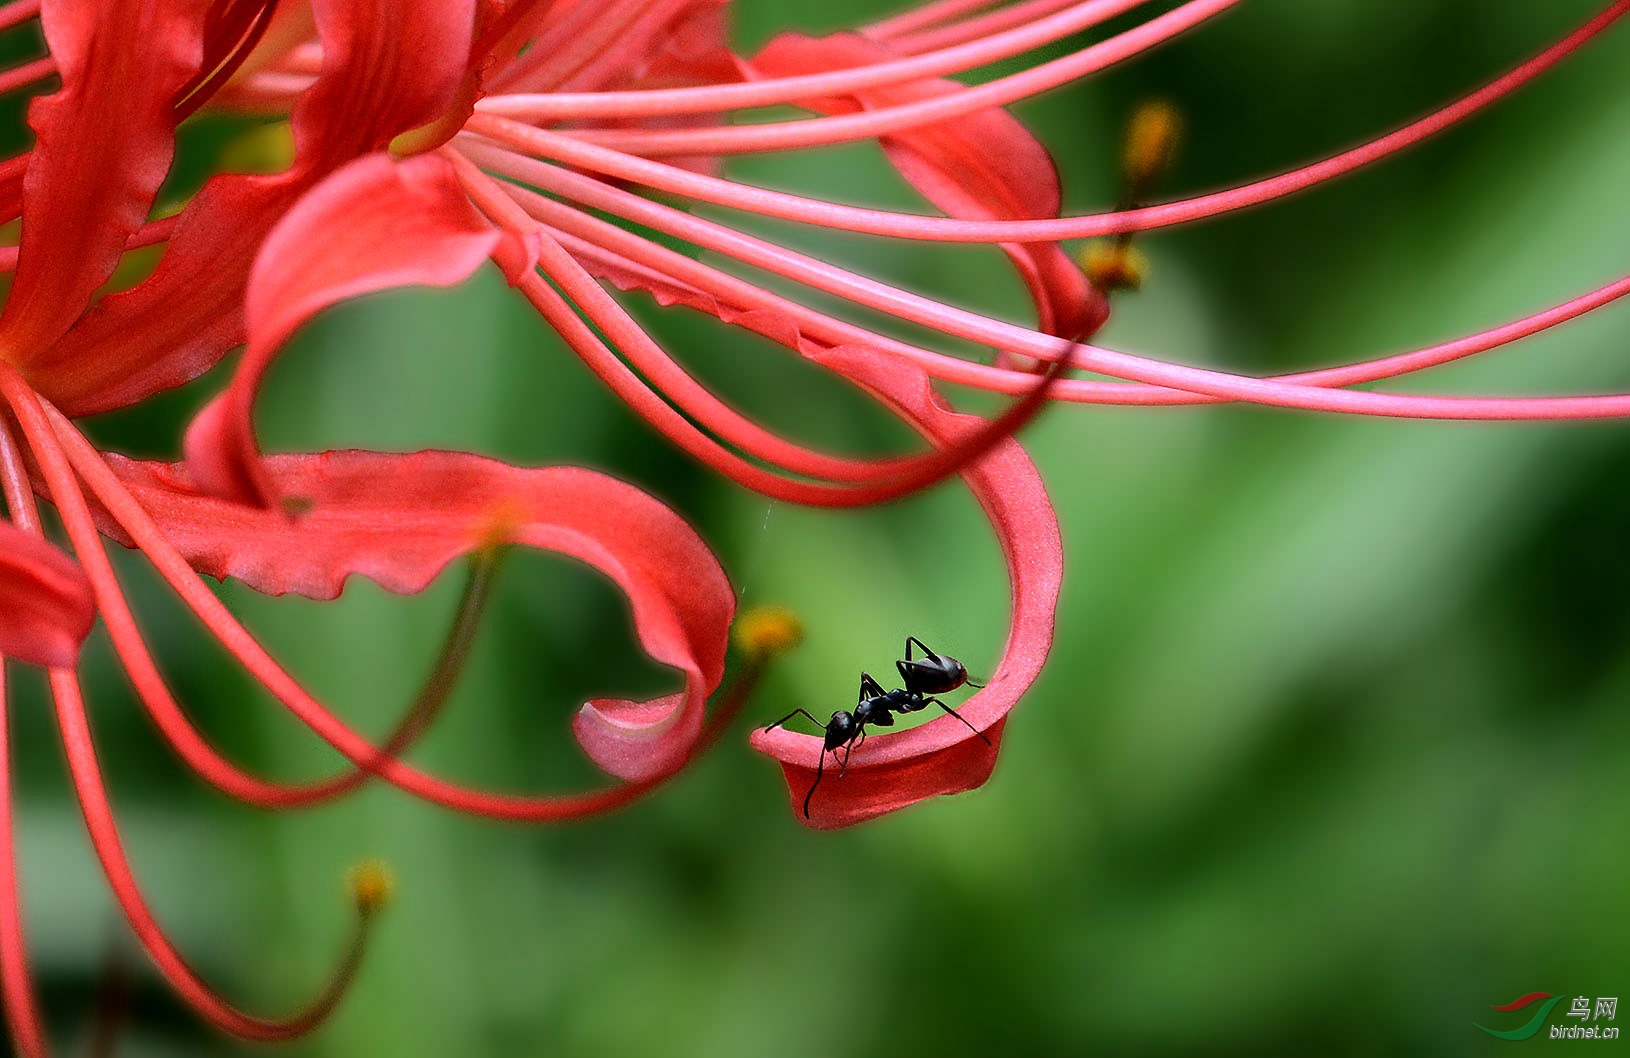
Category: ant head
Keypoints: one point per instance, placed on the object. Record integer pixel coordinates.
(840, 729)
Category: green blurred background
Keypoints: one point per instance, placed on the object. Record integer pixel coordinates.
(1331, 754)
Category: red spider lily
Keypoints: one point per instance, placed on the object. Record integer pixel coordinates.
(425, 132)
(535, 137)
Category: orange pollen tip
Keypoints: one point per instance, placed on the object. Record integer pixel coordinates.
(372, 885)
(1151, 141)
(1112, 265)
(766, 630)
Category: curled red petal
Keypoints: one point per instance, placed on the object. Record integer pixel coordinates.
(400, 519)
(372, 225)
(891, 771)
(105, 140)
(984, 166)
(388, 67)
(46, 608)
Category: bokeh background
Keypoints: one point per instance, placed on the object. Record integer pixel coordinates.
(1332, 752)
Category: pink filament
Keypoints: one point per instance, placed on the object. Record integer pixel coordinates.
(16, 982)
(881, 222)
(869, 124)
(973, 28)
(596, 238)
(130, 516)
(18, 12)
(650, 102)
(86, 775)
(971, 326)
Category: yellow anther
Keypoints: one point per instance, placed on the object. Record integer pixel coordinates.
(263, 150)
(1151, 142)
(1113, 265)
(766, 630)
(372, 885)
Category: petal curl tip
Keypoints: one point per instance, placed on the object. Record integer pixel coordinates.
(46, 605)
(637, 741)
(893, 770)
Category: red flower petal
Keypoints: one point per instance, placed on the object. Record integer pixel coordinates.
(389, 66)
(373, 225)
(105, 143)
(986, 166)
(942, 756)
(46, 609)
(399, 519)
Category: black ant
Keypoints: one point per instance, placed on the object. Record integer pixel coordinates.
(923, 677)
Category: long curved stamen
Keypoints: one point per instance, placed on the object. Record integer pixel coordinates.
(18, 12)
(16, 983)
(155, 696)
(68, 452)
(924, 16)
(593, 239)
(963, 324)
(17, 993)
(915, 43)
(927, 469)
(652, 102)
(149, 234)
(695, 400)
(85, 773)
(586, 31)
(26, 74)
(869, 124)
(942, 229)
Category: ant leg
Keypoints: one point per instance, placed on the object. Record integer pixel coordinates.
(819, 767)
(927, 654)
(792, 714)
(869, 688)
(958, 715)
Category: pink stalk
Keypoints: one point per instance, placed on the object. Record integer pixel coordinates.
(923, 16)
(87, 779)
(869, 124)
(973, 28)
(649, 102)
(624, 49)
(971, 326)
(923, 471)
(154, 694)
(675, 384)
(104, 833)
(593, 237)
(16, 982)
(149, 234)
(243, 647)
(720, 192)
(26, 74)
(18, 12)
(587, 32)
